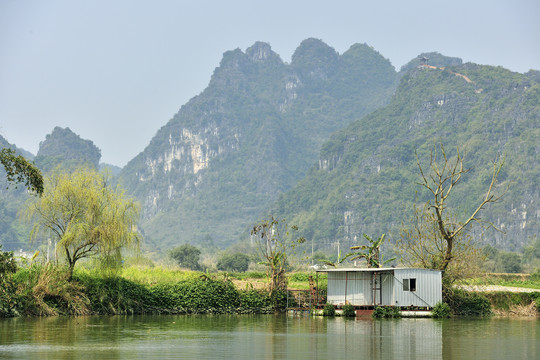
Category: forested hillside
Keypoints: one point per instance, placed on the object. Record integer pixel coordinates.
(366, 179)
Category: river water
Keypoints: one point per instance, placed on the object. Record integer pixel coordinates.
(266, 337)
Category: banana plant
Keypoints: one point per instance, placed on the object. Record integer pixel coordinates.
(371, 253)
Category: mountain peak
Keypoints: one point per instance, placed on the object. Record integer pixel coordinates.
(432, 58)
(316, 49)
(315, 60)
(261, 51)
(66, 147)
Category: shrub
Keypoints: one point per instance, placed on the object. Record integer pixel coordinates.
(465, 303)
(8, 296)
(115, 295)
(381, 312)
(233, 262)
(186, 256)
(441, 310)
(507, 300)
(255, 301)
(279, 300)
(329, 310)
(348, 311)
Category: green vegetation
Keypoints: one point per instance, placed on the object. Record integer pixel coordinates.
(530, 281)
(20, 170)
(44, 290)
(237, 262)
(465, 303)
(367, 174)
(500, 261)
(275, 242)
(8, 298)
(62, 147)
(348, 311)
(86, 216)
(441, 310)
(383, 312)
(373, 254)
(259, 124)
(329, 310)
(187, 256)
(505, 300)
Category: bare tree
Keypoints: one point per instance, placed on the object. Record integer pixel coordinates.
(436, 234)
(274, 240)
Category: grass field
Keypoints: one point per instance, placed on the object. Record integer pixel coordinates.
(515, 280)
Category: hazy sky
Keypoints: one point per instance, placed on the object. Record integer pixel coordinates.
(116, 71)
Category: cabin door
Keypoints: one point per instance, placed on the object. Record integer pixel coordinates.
(376, 288)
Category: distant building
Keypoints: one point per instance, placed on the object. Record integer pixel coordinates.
(403, 287)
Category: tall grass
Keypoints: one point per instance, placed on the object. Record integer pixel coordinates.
(45, 290)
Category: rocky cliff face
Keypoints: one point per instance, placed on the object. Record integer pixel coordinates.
(250, 135)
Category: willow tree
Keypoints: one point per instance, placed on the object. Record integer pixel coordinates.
(437, 237)
(86, 215)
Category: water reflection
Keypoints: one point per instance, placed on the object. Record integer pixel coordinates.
(264, 337)
(498, 338)
(387, 339)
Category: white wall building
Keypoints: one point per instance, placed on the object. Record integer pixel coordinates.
(401, 287)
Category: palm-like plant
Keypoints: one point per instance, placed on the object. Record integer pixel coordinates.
(371, 252)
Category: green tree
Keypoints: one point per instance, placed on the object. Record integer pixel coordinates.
(86, 215)
(20, 170)
(237, 262)
(509, 262)
(274, 239)
(186, 256)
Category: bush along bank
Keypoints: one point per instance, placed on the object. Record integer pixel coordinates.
(501, 303)
(45, 291)
(465, 303)
(505, 303)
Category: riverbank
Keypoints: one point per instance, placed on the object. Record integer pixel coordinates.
(43, 290)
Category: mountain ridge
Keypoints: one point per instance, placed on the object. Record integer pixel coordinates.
(251, 134)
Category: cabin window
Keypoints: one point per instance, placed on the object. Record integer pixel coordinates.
(412, 284)
(405, 284)
(409, 284)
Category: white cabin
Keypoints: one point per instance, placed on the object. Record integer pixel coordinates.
(403, 287)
